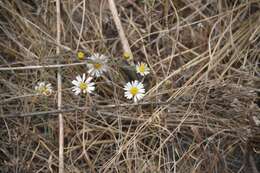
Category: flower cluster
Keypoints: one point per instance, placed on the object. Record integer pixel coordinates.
(97, 66)
(43, 88)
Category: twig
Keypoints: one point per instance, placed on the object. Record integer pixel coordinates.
(119, 27)
(40, 113)
(16, 97)
(41, 66)
(61, 128)
(82, 24)
(52, 112)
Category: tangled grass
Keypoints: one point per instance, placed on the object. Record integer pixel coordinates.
(200, 112)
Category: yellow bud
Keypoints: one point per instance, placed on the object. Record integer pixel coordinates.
(80, 55)
(168, 84)
(126, 55)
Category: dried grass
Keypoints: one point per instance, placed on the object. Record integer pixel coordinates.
(200, 113)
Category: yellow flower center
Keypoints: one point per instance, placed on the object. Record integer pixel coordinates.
(134, 91)
(44, 90)
(81, 55)
(142, 68)
(97, 65)
(83, 86)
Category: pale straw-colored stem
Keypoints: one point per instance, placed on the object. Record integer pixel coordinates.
(59, 83)
(30, 67)
(119, 27)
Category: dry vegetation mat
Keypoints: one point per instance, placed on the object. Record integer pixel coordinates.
(199, 112)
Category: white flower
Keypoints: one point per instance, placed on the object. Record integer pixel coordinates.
(97, 65)
(83, 85)
(134, 90)
(142, 68)
(43, 88)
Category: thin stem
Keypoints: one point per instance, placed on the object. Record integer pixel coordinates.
(119, 27)
(41, 66)
(59, 81)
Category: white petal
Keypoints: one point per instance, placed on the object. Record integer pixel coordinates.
(128, 95)
(92, 73)
(139, 96)
(78, 78)
(136, 83)
(105, 68)
(83, 77)
(91, 84)
(96, 55)
(135, 99)
(90, 70)
(142, 91)
(96, 73)
(89, 79)
(91, 88)
(90, 66)
(41, 84)
(140, 85)
(75, 82)
(89, 57)
(75, 89)
(77, 92)
(127, 86)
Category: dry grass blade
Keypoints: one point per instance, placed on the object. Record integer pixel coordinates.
(59, 84)
(200, 112)
(119, 27)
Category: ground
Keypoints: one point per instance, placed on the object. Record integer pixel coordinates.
(200, 112)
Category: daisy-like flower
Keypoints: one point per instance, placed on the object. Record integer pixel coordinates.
(142, 68)
(83, 85)
(134, 90)
(43, 88)
(97, 65)
(80, 55)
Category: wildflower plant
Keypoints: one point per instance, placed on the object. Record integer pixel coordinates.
(142, 69)
(83, 85)
(97, 65)
(43, 88)
(134, 90)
